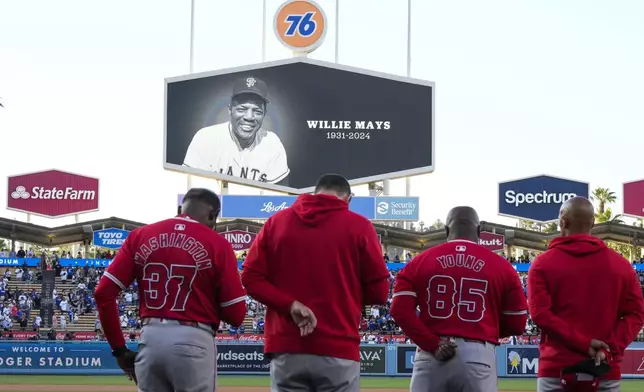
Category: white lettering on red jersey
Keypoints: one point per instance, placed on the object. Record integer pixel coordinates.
(462, 290)
(184, 270)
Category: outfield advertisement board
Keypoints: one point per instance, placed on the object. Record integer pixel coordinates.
(523, 361)
(371, 207)
(405, 359)
(247, 358)
(538, 198)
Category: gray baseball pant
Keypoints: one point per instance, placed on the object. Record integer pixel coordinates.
(314, 373)
(176, 358)
(473, 369)
(551, 384)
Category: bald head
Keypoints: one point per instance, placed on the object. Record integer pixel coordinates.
(576, 216)
(463, 223)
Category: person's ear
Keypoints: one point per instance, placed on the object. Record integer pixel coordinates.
(447, 231)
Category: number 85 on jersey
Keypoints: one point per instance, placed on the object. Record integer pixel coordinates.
(300, 25)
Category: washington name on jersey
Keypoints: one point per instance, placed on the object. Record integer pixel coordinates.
(180, 241)
(216, 149)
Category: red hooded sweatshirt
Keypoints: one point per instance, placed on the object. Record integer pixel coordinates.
(580, 290)
(325, 256)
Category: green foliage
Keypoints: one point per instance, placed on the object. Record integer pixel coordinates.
(603, 196)
(437, 225)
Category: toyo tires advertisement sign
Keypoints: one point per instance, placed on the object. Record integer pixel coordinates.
(538, 198)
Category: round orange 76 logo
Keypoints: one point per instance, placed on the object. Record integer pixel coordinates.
(300, 25)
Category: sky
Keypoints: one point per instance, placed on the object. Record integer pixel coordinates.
(522, 88)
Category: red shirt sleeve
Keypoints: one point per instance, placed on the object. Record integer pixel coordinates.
(631, 310)
(540, 303)
(373, 269)
(116, 278)
(255, 275)
(403, 310)
(232, 296)
(514, 313)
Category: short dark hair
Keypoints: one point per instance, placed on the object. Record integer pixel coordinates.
(204, 195)
(333, 182)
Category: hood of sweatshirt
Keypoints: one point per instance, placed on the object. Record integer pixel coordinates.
(315, 209)
(578, 245)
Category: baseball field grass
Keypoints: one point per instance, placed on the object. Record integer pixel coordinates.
(28, 383)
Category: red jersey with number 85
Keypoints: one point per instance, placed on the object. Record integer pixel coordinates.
(462, 290)
(185, 271)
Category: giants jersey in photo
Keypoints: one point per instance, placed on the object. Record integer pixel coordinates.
(462, 290)
(185, 271)
(215, 148)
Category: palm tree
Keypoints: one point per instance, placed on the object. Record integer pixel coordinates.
(603, 196)
(608, 217)
(551, 227)
(437, 225)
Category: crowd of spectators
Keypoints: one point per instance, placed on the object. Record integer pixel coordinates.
(76, 299)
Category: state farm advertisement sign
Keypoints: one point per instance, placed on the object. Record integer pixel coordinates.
(52, 193)
(494, 242)
(240, 240)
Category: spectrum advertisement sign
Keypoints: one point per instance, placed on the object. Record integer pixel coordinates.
(372, 208)
(538, 198)
(52, 193)
(110, 238)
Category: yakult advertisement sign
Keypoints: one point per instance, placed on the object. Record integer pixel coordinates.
(52, 193)
(240, 240)
(538, 198)
(492, 241)
(110, 238)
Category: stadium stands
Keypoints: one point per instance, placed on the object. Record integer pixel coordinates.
(74, 308)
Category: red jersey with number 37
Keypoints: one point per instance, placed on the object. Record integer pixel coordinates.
(185, 271)
(462, 289)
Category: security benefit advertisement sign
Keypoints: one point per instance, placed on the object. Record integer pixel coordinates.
(281, 125)
(538, 198)
(110, 238)
(405, 359)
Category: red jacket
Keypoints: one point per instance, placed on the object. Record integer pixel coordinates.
(580, 290)
(325, 256)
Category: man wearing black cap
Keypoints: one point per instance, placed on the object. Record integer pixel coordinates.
(241, 147)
